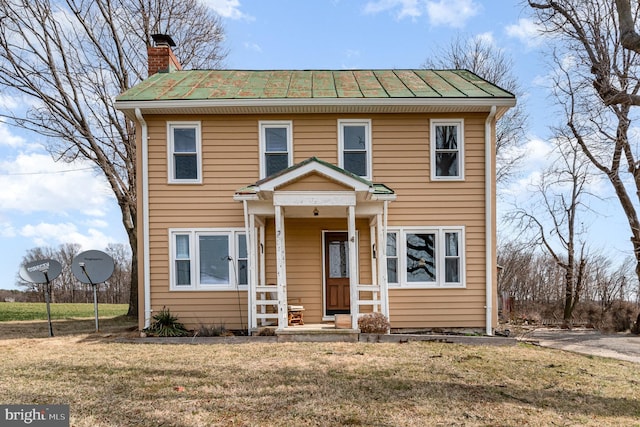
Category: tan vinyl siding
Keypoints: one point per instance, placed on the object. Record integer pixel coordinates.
(401, 160)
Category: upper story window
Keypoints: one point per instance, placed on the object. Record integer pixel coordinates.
(354, 146)
(185, 164)
(447, 149)
(276, 147)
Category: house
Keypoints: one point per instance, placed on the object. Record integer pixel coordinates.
(339, 191)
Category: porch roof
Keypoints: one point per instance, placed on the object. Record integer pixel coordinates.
(315, 165)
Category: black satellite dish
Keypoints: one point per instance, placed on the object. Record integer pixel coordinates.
(43, 272)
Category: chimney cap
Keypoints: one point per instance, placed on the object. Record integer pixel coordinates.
(163, 40)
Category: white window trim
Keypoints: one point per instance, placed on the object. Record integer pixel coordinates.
(170, 166)
(194, 254)
(432, 144)
(367, 124)
(401, 250)
(265, 124)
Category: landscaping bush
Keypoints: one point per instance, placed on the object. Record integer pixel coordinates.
(166, 324)
(374, 323)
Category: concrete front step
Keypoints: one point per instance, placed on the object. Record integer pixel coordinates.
(317, 335)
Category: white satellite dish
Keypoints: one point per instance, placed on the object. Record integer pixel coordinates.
(41, 271)
(92, 267)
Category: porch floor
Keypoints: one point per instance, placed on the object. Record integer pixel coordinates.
(316, 332)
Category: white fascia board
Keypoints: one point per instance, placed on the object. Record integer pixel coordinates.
(314, 198)
(243, 197)
(297, 102)
(272, 184)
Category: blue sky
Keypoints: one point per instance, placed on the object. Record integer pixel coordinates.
(43, 203)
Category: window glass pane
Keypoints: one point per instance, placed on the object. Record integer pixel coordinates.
(356, 163)
(338, 259)
(354, 138)
(421, 265)
(183, 273)
(451, 244)
(242, 246)
(242, 272)
(182, 246)
(276, 139)
(447, 164)
(391, 244)
(447, 137)
(452, 270)
(184, 140)
(276, 162)
(186, 166)
(214, 260)
(392, 270)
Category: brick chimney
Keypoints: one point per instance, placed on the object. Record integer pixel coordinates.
(161, 57)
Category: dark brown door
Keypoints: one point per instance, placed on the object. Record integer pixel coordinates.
(336, 267)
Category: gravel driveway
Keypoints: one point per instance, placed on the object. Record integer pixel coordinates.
(623, 346)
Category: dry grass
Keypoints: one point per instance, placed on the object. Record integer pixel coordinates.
(328, 384)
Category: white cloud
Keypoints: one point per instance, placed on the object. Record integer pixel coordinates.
(7, 230)
(450, 13)
(35, 183)
(9, 139)
(46, 234)
(227, 9)
(526, 31)
(252, 46)
(486, 38)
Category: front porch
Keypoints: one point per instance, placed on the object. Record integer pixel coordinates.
(327, 224)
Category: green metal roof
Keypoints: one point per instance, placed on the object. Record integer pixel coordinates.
(312, 84)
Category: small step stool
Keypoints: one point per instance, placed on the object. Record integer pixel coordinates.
(296, 315)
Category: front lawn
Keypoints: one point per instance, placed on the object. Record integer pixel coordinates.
(108, 383)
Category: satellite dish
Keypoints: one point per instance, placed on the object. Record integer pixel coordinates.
(92, 267)
(34, 271)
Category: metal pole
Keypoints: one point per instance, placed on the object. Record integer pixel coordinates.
(46, 298)
(95, 294)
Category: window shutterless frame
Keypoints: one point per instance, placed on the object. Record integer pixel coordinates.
(184, 152)
(207, 259)
(354, 146)
(426, 257)
(447, 149)
(276, 146)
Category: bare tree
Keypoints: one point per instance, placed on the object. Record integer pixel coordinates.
(71, 58)
(559, 202)
(491, 63)
(600, 85)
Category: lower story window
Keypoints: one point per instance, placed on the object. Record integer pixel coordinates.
(426, 257)
(208, 259)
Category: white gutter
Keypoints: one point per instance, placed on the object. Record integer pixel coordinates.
(145, 220)
(488, 202)
(488, 102)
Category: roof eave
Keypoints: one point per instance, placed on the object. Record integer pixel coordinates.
(314, 105)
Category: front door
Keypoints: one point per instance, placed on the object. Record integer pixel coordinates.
(336, 268)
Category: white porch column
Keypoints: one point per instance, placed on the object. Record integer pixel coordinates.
(281, 268)
(353, 266)
(375, 249)
(252, 275)
(382, 265)
(263, 277)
